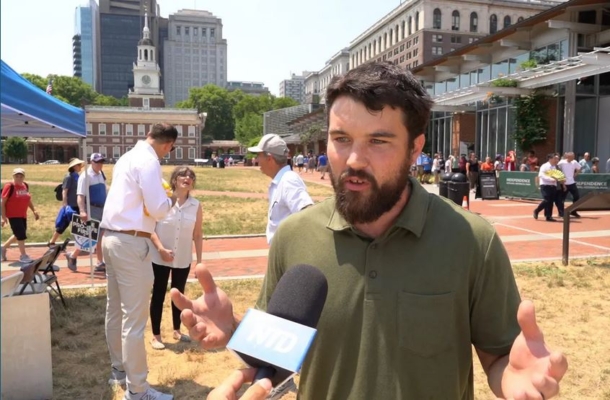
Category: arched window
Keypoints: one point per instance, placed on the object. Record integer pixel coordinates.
(385, 40)
(436, 19)
(455, 20)
(369, 53)
(474, 22)
(152, 55)
(145, 55)
(520, 19)
(507, 21)
(416, 21)
(410, 25)
(391, 37)
(402, 31)
(493, 24)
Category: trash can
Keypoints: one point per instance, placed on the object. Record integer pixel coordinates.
(442, 185)
(458, 187)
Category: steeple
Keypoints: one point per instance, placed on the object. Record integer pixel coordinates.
(146, 31)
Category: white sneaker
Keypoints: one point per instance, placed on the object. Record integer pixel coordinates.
(150, 394)
(25, 259)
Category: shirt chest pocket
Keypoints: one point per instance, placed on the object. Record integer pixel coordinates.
(426, 323)
(188, 221)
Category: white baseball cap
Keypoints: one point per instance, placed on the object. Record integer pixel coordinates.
(270, 143)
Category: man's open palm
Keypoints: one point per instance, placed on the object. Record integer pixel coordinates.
(209, 318)
(533, 371)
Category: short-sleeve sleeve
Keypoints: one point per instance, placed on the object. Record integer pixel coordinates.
(295, 196)
(80, 187)
(494, 302)
(5, 190)
(67, 182)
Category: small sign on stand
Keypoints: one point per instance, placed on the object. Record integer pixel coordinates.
(81, 230)
(488, 186)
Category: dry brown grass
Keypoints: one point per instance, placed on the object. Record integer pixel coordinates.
(249, 180)
(573, 305)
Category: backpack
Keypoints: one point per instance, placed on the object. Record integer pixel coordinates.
(59, 192)
(12, 189)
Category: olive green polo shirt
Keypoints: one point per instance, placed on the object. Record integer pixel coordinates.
(402, 310)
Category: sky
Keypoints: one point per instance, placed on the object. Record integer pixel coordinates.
(267, 39)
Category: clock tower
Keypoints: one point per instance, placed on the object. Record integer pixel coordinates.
(146, 90)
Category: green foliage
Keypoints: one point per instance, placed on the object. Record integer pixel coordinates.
(74, 91)
(15, 148)
(253, 142)
(248, 127)
(312, 134)
(284, 102)
(531, 121)
(504, 82)
(214, 101)
(103, 100)
(233, 115)
(529, 64)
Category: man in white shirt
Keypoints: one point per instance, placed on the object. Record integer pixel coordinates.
(570, 168)
(287, 191)
(136, 201)
(548, 188)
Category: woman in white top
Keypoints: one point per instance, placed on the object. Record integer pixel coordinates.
(173, 238)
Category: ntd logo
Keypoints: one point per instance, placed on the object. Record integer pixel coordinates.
(273, 338)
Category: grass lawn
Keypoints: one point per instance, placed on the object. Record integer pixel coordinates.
(223, 215)
(572, 304)
(249, 180)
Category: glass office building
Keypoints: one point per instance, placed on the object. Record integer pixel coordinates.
(85, 49)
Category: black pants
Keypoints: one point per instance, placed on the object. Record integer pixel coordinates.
(549, 194)
(179, 277)
(573, 190)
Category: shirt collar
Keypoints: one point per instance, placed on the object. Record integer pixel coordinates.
(146, 146)
(412, 217)
(278, 177)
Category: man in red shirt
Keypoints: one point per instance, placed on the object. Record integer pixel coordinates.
(16, 199)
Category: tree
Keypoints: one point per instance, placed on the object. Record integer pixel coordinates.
(16, 148)
(215, 101)
(249, 127)
(74, 91)
(284, 102)
(103, 100)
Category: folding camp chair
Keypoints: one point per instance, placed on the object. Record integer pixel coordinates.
(46, 273)
(29, 283)
(11, 283)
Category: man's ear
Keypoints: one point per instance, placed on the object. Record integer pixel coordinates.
(418, 146)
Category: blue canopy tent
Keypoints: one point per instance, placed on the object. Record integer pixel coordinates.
(28, 111)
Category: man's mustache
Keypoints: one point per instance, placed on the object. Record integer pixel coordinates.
(356, 173)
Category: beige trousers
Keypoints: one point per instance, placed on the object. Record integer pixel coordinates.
(130, 281)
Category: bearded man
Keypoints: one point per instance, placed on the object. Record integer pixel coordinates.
(402, 314)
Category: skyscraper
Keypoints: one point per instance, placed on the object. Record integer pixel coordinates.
(294, 87)
(195, 54)
(85, 44)
(121, 24)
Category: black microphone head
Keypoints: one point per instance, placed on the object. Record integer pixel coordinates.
(300, 295)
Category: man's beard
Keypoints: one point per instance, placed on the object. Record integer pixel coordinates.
(364, 208)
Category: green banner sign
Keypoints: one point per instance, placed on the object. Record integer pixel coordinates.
(523, 184)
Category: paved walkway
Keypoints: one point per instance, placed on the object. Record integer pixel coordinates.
(525, 239)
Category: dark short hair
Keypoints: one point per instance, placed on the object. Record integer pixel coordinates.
(381, 84)
(163, 133)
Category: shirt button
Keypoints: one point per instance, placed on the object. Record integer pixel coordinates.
(374, 246)
(373, 274)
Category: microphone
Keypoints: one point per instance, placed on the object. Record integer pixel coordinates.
(276, 342)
